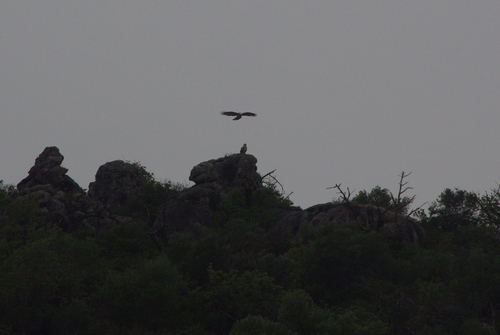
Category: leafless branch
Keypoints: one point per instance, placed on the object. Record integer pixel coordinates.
(269, 175)
(413, 211)
(402, 189)
(345, 196)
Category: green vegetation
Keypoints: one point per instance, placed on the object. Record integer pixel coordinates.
(228, 278)
(150, 195)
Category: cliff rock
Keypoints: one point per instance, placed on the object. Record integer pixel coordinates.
(60, 199)
(368, 217)
(62, 202)
(48, 171)
(115, 182)
(212, 180)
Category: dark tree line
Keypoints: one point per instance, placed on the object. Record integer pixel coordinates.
(226, 279)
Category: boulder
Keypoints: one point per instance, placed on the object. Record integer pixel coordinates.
(48, 171)
(115, 182)
(60, 199)
(231, 171)
(62, 202)
(212, 179)
(368, 217)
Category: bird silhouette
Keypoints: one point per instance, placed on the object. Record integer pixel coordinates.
(243, 149)
(237, 114)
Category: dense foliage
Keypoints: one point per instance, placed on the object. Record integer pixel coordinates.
(228, 279)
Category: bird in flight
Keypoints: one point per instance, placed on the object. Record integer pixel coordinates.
(237, 114)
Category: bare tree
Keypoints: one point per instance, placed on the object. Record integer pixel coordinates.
(271, 180)
(398, 204)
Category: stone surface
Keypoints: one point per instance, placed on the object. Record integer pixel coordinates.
(230, 171)
(60, 199)
(62, 202)
(367, 217)
(48, 171)
(212, 180)
(115, 182)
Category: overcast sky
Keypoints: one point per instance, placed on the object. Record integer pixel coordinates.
(349, 92)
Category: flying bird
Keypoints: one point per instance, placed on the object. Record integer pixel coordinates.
(237, 114)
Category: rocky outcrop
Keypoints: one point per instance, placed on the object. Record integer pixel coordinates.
(61, 201)
(68, 211)
(212, 180)
(231, 171)
(115, 182)
(48, 171)
(368, 217)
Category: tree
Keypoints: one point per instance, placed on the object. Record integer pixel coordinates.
(232, 295)
(47, 281)
(378, 196)
(336, 266)
(455, 208)
(150, 194)
(252, 325)
(151, 296)
(489, 205)
(382, 198)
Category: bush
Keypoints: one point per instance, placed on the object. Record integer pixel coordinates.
(152, 297)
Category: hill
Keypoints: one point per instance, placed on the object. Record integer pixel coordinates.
(232, 255)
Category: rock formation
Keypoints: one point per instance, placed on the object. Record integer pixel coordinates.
(48, 171)
(60, 199)
(368, 217)
(212, 180)
(62, 202)
(115, 182)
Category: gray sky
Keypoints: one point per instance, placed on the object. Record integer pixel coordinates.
(350, 92)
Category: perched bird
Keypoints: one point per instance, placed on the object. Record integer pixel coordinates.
(243, 149)
(237, 114)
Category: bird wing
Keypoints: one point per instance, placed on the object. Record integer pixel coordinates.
(249, 114)
(229, 113)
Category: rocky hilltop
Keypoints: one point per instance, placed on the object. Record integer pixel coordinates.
(63, 202)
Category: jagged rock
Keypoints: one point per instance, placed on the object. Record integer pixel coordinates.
(212, 178)
(181, 215)
(230, 171)
(115, 182)
(368, 217)
(63, 202)
(48, 171)
(59, 198)
(87, 212)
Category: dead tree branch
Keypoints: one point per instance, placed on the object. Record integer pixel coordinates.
(345, 196)
(267, 174)
(402, 189)
(270, 175)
